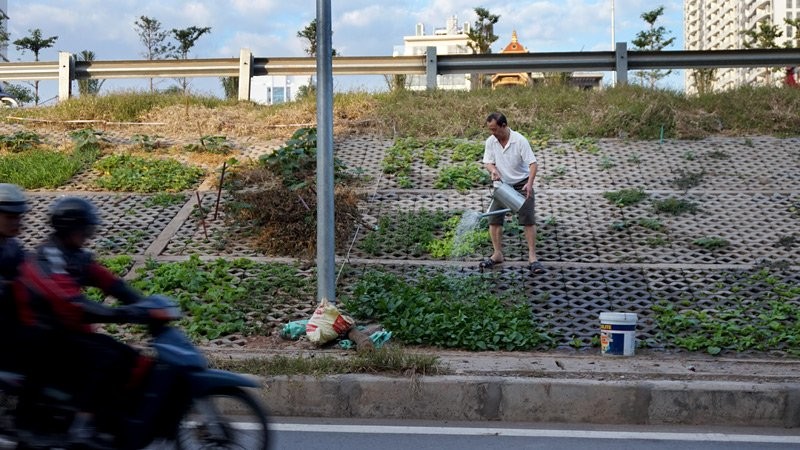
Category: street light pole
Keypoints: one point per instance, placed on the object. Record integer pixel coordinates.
(613, 39)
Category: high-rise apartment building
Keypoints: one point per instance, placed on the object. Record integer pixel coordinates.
(720, 24)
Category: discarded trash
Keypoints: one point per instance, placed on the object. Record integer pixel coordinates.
(327, 323)
(294, 330)
(378, 338)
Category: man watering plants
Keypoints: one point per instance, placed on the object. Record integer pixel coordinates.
(509, 159)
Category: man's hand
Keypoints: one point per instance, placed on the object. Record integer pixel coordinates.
(528, 188)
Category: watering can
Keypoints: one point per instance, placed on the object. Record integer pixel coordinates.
(506, 195)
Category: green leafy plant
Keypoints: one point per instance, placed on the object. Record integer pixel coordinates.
(767, 320)
(711, 242)
(674, 206)
(409, 231)
(634, 158)
(88, 139)
(215, 299)
(211, 144)
(44, 168)
(444, 311)
(20, 141)
(625, 197)
(689, 155)
(606, 163)
(147, 142)
(586, 144)
(718, 154)
(462, 176)
(651, 224)
(135, 174)
(686, 180)
(467, 151)
(463, 236)
(296, 161)
(398, 157)
(657, 241)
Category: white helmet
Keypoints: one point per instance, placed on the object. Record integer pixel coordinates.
(12, 200)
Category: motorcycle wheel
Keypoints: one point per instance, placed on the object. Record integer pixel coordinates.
(224, 419)
(8, 102)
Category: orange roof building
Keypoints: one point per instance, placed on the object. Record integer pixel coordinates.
(512, 79)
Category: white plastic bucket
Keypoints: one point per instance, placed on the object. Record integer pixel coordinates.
(617, 333)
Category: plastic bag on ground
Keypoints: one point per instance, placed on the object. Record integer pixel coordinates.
(294, 330)
(327, 323)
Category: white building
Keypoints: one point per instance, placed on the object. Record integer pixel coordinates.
(719, 24)
(276, 89)
(450, 40)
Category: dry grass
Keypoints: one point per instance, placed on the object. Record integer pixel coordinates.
(630, 111)
(284, 220)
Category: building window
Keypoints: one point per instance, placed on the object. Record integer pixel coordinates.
(789, 4)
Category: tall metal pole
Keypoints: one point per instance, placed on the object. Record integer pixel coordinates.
(326, 270)
(613, 39)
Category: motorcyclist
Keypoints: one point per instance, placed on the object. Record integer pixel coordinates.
(53, 308)
(12, 206)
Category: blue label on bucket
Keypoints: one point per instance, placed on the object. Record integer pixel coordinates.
(617, 339)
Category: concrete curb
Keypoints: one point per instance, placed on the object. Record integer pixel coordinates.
(517, 399)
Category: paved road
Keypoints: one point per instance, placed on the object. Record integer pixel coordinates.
(397, 435)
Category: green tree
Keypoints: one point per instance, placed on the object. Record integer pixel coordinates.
(21, 93)
(88, 86)
(481, 37)
(654, 38)
(704, 80)
(4, 36)
(309, 35)
(186, 39)
(763, 35)
(230, 85)
(154, 40)
(35, 43)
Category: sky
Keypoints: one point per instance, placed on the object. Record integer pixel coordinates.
(360, 28)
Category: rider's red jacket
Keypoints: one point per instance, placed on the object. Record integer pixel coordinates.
(49, 290)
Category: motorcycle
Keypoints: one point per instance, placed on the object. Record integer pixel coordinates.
(179, 399)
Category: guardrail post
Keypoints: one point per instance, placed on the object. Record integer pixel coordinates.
(245, 73)
(66, 73)
(622, 63)
(430, 68)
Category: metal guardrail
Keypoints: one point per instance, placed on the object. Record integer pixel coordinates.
(66, 69)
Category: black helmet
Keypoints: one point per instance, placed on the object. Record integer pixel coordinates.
(73, 213)
(12, 200)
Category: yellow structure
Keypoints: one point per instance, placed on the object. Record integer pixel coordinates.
(512, 79)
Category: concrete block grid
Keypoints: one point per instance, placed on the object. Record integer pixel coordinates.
(748, 196)
(593, 266)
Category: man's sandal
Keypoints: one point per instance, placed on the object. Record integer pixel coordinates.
(536, 267)
(489, 263)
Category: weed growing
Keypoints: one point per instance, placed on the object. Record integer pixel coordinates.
(44, 168)
(766, 319)
(626, 197)
(445, 311)
(686, 180)
(674, 206)
(711, 243)
(20, 141)
(463, 176)
(405, 231)
(136, 174)
(386, 360)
